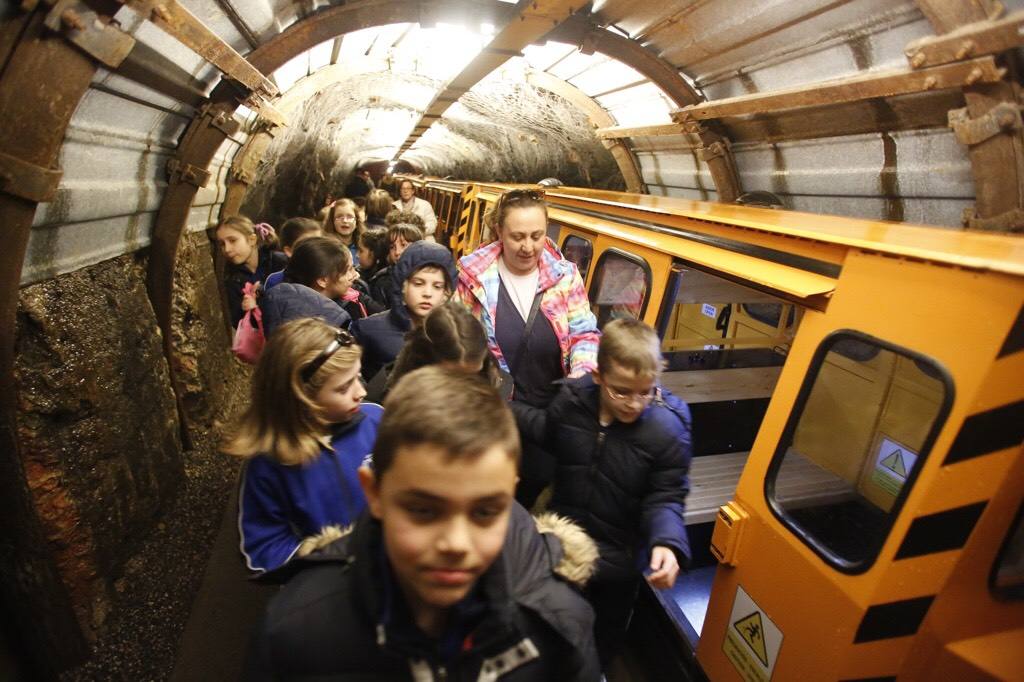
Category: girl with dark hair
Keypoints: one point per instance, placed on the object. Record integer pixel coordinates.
(373, 263)
(451, 337)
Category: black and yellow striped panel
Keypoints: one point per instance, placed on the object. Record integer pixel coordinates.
(941, 531)
(1015, 339)
(894, 619)
(987, 432)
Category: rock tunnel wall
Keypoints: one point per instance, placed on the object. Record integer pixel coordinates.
(98, 428)
(501, 132)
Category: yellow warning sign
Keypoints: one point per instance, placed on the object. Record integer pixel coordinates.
(894, 463)
(752, 641)
(752, 631)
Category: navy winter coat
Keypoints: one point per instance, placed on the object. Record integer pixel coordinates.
(342, 618)
(626, 484)
(289, 301)
(383, 335)
(237, 276)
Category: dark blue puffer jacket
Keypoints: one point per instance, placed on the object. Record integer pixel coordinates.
(626, 484)
(289, 301)
(383, 335)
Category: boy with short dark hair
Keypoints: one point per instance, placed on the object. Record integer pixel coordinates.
(623, 447)
(446, 576)
(422, 279)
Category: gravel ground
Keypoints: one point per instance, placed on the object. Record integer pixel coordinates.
(155, 593)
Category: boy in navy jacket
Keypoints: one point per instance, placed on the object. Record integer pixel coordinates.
(446, 577)
(623, 448)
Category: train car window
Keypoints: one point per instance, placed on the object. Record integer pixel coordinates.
(769, 313)
(861, 428)
(1007, 578)
(552, 231)
(708, 321)
(621, 286)
(580, 251)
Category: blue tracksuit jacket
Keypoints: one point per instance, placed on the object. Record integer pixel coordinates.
(279, 505)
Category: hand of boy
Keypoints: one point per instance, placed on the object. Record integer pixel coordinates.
(664, 568)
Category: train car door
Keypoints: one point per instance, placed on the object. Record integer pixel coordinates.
(881, 404)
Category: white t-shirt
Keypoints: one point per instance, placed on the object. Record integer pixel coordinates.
(521, 288)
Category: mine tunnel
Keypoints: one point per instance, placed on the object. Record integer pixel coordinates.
(131, 128)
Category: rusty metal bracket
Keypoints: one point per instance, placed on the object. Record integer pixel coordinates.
(28, 181)
(178, 172)
(970, 40)
(267, 112)
(1002, 118)
(221, 119)
(95, 36)
(712, 151)
(1010, 221)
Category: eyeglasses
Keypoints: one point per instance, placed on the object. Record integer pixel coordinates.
(523, 195)
(345, 218)
(341, 338)
(643, 398)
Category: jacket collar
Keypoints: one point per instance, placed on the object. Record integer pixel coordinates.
(482, 265)
(373, 588)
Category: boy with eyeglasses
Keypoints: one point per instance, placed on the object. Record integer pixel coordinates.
(623, 448)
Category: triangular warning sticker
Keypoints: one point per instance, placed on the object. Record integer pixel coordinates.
(894, 463)
(752, 631)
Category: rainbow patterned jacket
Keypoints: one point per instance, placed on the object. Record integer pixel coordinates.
(564, 303)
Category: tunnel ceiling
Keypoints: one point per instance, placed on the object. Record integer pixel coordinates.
(889, 157)
(363, 105)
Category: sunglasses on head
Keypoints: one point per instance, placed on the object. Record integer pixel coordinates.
(341, 338)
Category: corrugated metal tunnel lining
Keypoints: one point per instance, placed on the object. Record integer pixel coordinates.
(110, 252)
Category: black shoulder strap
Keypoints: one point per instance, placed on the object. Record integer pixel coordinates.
(530, 319)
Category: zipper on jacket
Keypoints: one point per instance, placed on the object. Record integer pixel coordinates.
(594, 461)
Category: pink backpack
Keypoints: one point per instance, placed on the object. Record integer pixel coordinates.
(249, 338)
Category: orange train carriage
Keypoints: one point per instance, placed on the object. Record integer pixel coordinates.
(858, 398)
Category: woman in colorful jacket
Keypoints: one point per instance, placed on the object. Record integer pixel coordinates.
(533, 306)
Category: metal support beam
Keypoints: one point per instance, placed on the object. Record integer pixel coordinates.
(534, 20)
(970, 40)
(622, 132)
(35, 117)
(851, 89)
(181, 24)
(998, 161)
(598, 117)
(630, 52)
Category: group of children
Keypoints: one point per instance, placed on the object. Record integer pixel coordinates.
(396, 528)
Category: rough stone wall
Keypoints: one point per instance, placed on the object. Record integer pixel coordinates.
(502, 131)
(212, 383)
(97, 424)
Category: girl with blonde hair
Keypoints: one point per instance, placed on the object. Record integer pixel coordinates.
(251, 255)
(304, 435)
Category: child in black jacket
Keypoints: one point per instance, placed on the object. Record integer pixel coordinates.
(623, 447)
(446, 577)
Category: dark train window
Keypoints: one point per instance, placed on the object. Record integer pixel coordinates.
(621, 286)
(769, 313)
(861, 428)
(580, 251)
(1007, 580)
